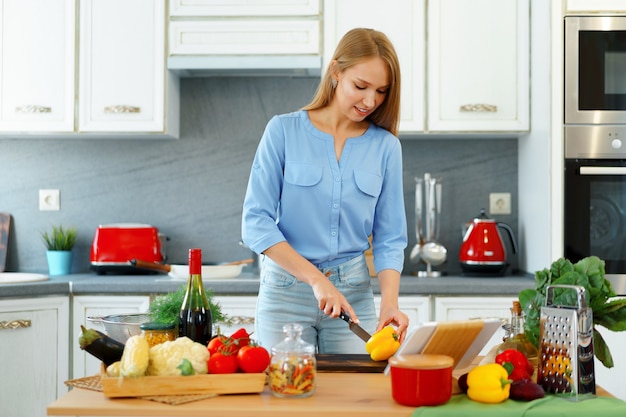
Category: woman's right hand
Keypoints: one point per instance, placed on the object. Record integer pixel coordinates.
(330, 300)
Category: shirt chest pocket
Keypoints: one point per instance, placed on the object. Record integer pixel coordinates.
(303, 174)
(368, 183)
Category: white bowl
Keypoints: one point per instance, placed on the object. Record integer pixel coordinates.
(181, 272)
(20, 277)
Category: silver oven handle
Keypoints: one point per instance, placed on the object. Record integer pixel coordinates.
(602, 170)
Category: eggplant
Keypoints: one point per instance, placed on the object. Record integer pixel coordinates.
(462, 381)
(98, 344)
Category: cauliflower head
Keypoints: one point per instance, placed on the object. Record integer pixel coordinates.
(165, 357)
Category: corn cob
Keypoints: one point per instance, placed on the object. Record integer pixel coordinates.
(135, 358)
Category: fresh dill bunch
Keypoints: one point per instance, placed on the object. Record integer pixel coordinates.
(166, 308)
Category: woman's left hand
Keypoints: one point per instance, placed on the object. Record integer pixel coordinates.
(389, 281)
(395, 317)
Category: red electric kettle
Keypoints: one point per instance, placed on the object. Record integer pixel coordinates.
(482, 250)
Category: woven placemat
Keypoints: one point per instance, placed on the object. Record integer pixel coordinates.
(179, 399)
(93, 383)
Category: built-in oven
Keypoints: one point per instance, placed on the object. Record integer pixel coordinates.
(595, 70)
(595, 195)
(595, 142)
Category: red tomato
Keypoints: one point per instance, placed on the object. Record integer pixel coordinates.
(253, 359)
(216, 344)
(231, 344)
(222, 364)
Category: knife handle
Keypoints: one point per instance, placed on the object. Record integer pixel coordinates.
(345, 316)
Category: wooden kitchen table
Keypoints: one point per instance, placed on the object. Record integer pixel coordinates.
(343, 394)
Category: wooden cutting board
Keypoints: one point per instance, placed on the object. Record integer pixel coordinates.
(5, 226)
(453, 338)
(356, 363)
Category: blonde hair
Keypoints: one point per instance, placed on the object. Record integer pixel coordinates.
(356, 46)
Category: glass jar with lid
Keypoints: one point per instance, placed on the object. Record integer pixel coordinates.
(293, 366)
(156, 333)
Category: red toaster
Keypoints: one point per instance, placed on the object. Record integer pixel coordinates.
(114, 245)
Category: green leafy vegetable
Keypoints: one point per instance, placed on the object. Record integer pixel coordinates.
(588, 273)
(165, 308)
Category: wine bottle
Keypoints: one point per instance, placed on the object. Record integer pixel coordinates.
(194, 320)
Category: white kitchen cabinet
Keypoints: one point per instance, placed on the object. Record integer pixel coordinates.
(34, 337)
(123, 83)
(37, 40)
(239, 310)
(83, 306)
(236, 8)
(478, 65)
(403, 22)
(471, 74)
(123, 86)
(595, 6)
(416, 307)
(243, 37)
(465, 308)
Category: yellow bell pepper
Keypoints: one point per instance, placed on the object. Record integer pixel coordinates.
(488, 383)
(383, 344)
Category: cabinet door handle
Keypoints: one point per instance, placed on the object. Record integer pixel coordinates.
(239, 320)
(31, 108)
(487, 108)
(122, 109)
(14, 324)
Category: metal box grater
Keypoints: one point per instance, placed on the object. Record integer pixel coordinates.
(566, 361)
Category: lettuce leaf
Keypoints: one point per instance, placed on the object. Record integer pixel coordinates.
(588, 273)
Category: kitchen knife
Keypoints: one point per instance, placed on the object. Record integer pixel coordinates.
(356, 329)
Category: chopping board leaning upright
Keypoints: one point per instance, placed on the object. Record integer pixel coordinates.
(5, 226)
(462, 340)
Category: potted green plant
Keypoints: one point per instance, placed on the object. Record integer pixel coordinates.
(60, 242)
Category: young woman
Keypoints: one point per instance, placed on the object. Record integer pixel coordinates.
(324, 180)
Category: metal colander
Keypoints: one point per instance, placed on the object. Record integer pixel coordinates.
(121, 326)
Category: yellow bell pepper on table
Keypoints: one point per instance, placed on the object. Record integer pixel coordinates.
(383, 344)
(488, 384)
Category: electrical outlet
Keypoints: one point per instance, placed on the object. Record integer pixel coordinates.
(500, 203)
(49, 200)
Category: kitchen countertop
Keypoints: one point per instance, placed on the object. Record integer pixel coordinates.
(341, 394)
(336, 394)
(248, 284)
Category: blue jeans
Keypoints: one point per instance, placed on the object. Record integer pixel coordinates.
(284, 299)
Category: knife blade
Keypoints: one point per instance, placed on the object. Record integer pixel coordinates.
(355, 328)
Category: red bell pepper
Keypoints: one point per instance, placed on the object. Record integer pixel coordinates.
(516, 363)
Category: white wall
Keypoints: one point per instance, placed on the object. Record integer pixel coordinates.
(540, 153)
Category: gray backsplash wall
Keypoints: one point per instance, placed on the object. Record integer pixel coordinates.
(193, 188)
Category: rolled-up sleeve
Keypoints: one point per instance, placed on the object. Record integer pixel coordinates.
(389, 235)
(260, 207)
